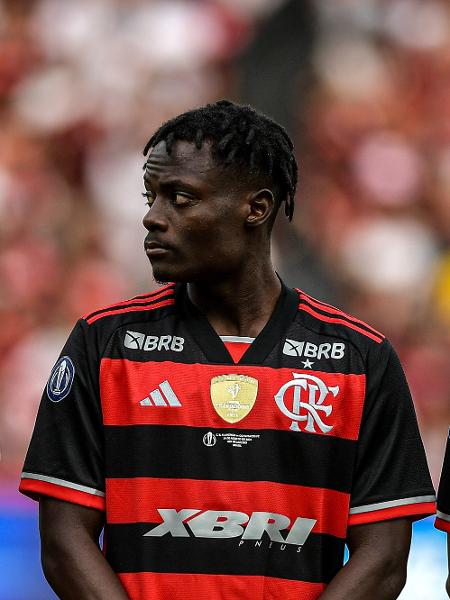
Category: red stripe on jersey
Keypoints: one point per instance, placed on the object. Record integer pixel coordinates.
(336, 311)
(414, 511)
(165, 291)
(35, 488)
(119, 311)
(186, 586)
(237, 349)
(125, 384)
(321, 317)
(328, 507)
(442, 525)
(154, 293)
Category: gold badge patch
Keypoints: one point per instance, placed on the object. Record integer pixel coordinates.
(233, 396)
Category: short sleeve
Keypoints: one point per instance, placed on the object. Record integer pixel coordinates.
(443, 500)
(65, 456)
(391, 477)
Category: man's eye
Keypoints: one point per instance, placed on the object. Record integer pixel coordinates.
(181, 199)
(150, 198)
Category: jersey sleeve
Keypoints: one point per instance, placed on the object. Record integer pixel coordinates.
(65, 456)
(391, 473)
(443, 500)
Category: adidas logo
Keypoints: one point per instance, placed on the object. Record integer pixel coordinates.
(162, 396)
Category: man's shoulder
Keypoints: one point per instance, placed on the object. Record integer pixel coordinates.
(125, 311)
(329, 320)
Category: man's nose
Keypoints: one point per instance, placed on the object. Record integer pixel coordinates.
(155, 219)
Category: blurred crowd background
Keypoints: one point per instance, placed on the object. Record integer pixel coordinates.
(362, 86)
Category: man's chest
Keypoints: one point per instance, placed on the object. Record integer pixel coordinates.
(307, 385)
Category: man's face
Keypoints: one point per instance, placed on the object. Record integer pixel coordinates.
(196, 216)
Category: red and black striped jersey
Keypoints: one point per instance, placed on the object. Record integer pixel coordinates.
(443, 499)
(222, 478)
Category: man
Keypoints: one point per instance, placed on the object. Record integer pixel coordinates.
(443, 505)
(229, 433)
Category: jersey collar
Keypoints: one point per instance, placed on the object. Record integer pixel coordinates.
(214, 348)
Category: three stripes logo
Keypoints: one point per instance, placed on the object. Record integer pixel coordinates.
(163, 395)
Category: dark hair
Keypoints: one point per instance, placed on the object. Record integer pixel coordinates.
(240, 137)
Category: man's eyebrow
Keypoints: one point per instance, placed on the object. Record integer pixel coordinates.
(172, 182)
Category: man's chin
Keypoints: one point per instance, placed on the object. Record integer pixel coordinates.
(161, 278)
(178, 273)
(165, 275)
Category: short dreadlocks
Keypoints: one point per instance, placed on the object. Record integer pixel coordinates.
(241, 138)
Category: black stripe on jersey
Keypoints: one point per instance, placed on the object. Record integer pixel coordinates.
(341, 315)
(130, 303)
(278, 456)
(129, 551)
(443, 499)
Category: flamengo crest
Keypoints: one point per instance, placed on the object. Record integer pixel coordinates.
(308, 397)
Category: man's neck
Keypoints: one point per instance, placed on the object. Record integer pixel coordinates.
(241, 305)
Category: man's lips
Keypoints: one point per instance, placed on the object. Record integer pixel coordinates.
(154, 248)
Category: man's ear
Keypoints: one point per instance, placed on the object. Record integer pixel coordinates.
(261, 205)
